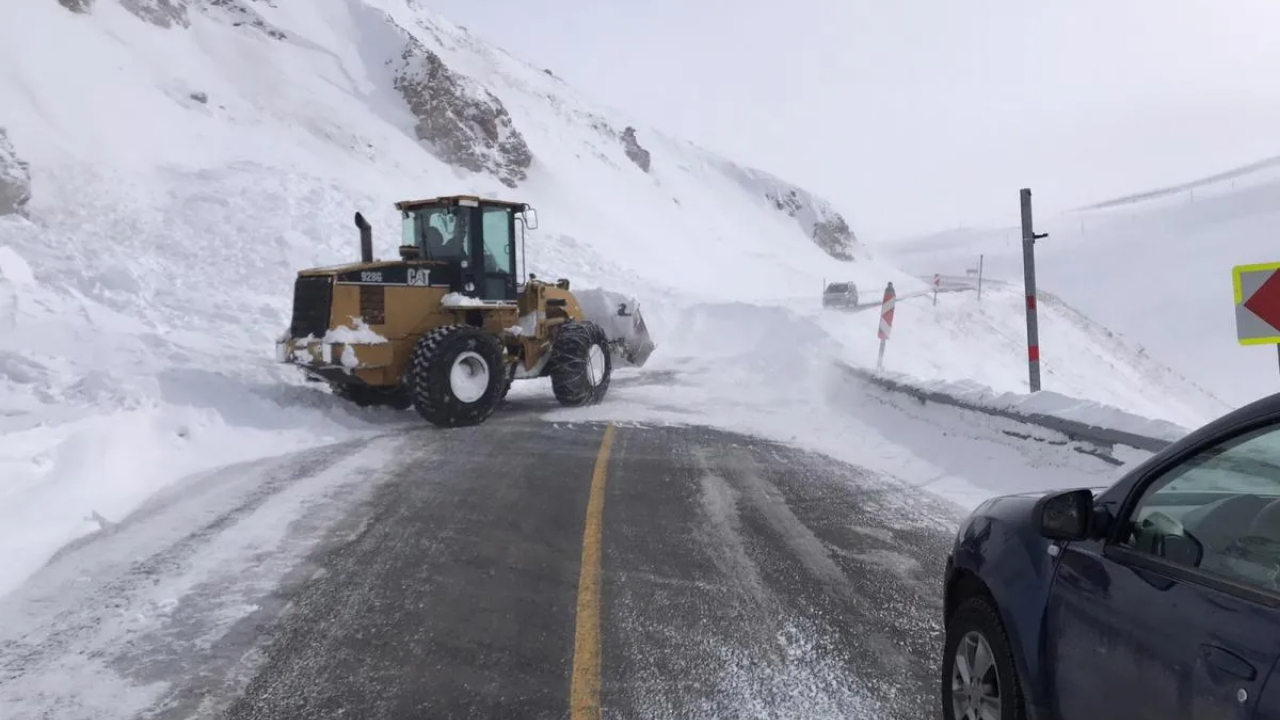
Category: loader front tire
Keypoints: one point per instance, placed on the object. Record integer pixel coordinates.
(458, 377)
(581, 364)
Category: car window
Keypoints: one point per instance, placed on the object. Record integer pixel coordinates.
(1218, 511)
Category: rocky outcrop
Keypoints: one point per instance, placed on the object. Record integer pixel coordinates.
(815, 216)
(638, 154)
(15, 179)
(161, 13)
(826, 227)
(462, 123)
(176, 13)
(239, 13)
(833, 235)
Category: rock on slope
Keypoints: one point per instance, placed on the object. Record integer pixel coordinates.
(816, 217)
(461, 122)
(15, 178)
(461, 117)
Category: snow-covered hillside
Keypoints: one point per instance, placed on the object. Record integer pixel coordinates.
(184, 158)
(1155, 267)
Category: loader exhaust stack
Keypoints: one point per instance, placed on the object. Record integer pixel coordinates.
(366, 238)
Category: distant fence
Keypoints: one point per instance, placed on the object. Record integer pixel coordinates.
(1073, 429)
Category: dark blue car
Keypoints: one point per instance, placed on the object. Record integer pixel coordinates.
(1156, 598)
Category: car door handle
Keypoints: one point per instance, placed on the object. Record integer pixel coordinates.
(1228, 662)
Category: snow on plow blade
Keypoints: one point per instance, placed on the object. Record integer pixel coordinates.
(619, 316)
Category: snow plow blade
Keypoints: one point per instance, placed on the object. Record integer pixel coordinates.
(619, 316)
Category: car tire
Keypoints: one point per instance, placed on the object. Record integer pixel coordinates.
(974, 625)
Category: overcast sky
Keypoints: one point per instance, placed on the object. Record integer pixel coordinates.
(914, 115)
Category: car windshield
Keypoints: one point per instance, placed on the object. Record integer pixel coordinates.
(837, 288)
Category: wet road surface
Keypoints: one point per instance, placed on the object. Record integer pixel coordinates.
(521, 569)
(737, 579)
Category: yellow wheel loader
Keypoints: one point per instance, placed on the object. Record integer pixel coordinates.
(448, 326)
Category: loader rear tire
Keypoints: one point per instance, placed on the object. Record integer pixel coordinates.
(581, 364)
(458, 376)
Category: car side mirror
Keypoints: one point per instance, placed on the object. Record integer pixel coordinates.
(1182, 549)
(1065, 515)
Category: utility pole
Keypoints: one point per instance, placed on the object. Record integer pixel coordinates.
(1029, 238)
(980, 277)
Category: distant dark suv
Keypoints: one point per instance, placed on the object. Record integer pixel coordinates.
(840, 294)
(1157, 598)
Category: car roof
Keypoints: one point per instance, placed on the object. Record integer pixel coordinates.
(1260, 410)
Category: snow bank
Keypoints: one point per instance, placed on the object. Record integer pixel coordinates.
(71, 473)
(983, 341)
(1060, 406)
(1037, 406)
(208, 559)
(772, 371)
(1154, 268)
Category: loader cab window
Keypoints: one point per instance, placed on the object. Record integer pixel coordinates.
(498, 276)
(497, 240)
(442, 233)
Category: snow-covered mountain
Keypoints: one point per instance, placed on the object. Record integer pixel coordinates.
(167, 165)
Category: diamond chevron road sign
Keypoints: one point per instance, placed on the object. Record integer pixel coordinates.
(1257, 290)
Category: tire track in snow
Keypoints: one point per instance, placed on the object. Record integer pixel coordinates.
(742, 582)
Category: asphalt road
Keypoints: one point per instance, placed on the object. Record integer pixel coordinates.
(521, 569)
(736, 579)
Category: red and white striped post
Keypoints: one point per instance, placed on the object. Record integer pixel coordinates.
(937, 283)
(886, 322)
(1029, 238)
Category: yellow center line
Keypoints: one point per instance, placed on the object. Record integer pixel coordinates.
(584, 688)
